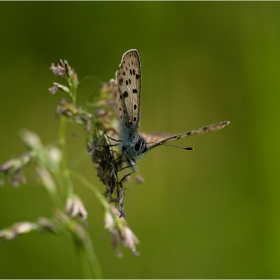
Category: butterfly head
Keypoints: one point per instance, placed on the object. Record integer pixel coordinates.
(133, 150)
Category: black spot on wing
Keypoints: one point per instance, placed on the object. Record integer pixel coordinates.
(134, 90)
(125, 94)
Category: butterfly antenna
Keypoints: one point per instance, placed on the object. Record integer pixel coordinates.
(179, 147)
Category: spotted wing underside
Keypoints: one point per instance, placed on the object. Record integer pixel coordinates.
(126, 90)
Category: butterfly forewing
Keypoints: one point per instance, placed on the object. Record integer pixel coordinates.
(154, 140)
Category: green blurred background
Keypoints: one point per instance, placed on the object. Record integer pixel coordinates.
(210, 213)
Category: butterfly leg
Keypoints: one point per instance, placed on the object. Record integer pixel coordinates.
(125, 176)
(124, 168)
(133, 167)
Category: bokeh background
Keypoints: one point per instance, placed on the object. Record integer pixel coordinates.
(210, 213)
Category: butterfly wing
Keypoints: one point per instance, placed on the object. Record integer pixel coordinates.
(126, 90)
(154, 140)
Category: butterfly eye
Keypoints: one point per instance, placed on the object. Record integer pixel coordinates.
(145, 149)
(140, 146)
(137, 146)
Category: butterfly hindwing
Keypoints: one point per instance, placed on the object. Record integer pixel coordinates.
(127, 92)
(120, 109)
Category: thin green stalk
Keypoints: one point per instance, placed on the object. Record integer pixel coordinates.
(89, 264)
(87, 259)
(67, 187)
(72, 90)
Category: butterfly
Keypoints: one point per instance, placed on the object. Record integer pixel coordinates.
(126, 90)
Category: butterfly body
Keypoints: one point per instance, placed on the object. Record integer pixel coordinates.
(126, 90)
